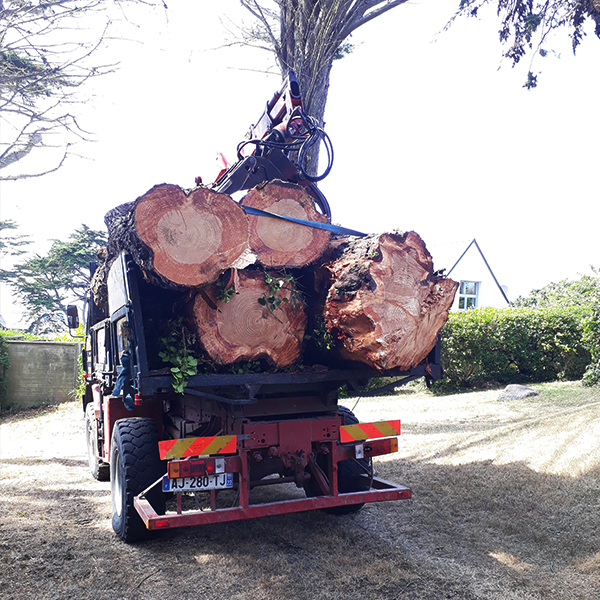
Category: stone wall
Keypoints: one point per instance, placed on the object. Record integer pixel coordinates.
(41, 373)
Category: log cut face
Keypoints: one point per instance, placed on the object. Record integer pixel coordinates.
(385, 306)
(192, 238)
(245, 329)
(284, 244)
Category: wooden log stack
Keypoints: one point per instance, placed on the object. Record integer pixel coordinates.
(377, 298)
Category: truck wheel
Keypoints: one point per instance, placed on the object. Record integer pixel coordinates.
(349, 473)
(135, 465)
(99, 469)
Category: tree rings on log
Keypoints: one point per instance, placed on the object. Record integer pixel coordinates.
(245, 328)
(385, 306)
(192, 238)
(284, 244)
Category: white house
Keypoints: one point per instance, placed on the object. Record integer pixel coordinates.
(479, 287)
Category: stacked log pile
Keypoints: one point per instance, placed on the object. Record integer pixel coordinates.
(375, 298)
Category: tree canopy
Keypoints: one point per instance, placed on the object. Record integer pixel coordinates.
(11, 244)
(48, 51)
(527, 25)
(45, 285)
(579, 292)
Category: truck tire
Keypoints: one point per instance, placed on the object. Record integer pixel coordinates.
(98, 468)
(135, 465)
(349, 472)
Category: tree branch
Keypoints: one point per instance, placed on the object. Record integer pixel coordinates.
(32, 175)
(363, 15)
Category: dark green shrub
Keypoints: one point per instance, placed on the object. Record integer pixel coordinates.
(592, 339)
(513, 345)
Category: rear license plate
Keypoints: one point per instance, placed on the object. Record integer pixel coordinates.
(217, 481)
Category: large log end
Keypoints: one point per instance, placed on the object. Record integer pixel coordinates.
(279, 243)
(244, 327)
(193, 238)
(385, 306)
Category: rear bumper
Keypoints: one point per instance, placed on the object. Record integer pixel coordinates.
(381, 491)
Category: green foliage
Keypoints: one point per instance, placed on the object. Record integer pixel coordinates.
(344, 49)
(176, 352)
(514, 345)
(275, 284)
(527, 25)
(531, 81)
(225, 291)
(247, 366)
(580, 292)
(45, 285)
(583, 292)
(76, 336)
(320, 336)
(34, 77)
(47, 57)
(10, 244)
(592, 339)
(19, 334)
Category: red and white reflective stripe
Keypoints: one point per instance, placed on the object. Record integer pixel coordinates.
(368, 431)
(221, 444)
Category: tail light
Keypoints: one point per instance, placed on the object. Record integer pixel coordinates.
(192, 467)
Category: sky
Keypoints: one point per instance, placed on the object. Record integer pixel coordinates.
(431, 132)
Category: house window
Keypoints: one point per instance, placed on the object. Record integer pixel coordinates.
(468, 296)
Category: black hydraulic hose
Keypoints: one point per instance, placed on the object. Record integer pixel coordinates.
(318, 136)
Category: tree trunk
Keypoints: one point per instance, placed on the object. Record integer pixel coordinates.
(258, 321)
(284, 244)
(385, 306)
(179, 239)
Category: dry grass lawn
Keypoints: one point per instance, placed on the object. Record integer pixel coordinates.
(506, 506)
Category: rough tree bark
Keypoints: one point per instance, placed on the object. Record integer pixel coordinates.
(385, 306)
(284, 244)
(245, 327)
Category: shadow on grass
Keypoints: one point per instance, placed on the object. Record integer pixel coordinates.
(474, 531)
(467, 528)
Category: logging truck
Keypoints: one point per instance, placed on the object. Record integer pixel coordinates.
(220, 333)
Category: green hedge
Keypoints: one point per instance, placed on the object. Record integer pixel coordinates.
(513, 345)
(592, 339)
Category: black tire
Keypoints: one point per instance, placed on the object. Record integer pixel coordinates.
(135, 465)
(349, 473)
(98, 468)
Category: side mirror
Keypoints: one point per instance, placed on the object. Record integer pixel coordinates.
(72, 317)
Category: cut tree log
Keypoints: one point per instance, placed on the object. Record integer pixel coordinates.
(284, 244)
(385, 306)
(179, 239)
(258, 321)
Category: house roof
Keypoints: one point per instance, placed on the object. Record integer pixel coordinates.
(474, 242)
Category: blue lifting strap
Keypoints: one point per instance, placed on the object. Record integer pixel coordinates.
(315, 224)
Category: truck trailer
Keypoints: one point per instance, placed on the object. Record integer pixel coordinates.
(207, 451)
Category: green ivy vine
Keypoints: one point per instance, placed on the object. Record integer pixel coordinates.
(176, 352)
